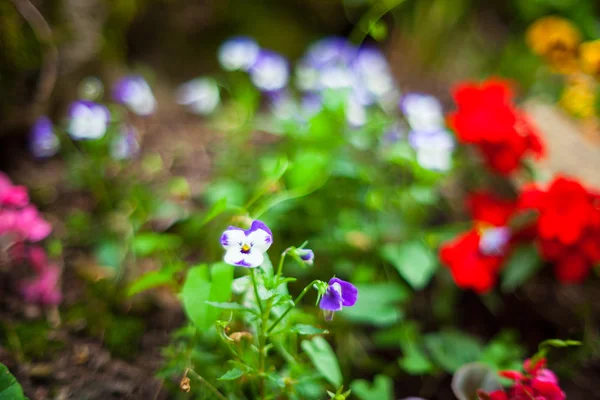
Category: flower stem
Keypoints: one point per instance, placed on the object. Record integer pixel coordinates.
(300, 296)
(207, 384)
(280, 266)
(253, 274)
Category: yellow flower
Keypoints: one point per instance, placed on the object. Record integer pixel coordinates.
(557, 40)
(579, 96)
(590, 57)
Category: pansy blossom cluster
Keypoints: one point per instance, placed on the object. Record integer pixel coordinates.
(21, 228)
(537, 382)
(247, 247)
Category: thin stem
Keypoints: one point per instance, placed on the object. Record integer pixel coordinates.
(213, 389)
(300, 296)
(253, 274)
(280, 266)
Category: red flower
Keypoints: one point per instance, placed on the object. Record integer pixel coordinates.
(475, 257)
(487, 118)
(537, 383)
(568, 227)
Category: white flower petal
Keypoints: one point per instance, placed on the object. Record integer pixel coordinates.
(260, 241)
(232, 238)
(235, 257)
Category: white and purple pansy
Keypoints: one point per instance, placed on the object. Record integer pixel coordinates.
(125, 146)
(87, 120)
(494, 241)
(306, 255)
(238, 53)
(134, 92)
(433, 148)
(43, 142)
(423, 112)
(270, 72)
(246, 248)
(339, 294)
(200, 95)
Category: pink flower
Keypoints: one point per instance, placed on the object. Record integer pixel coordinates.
(38, 258)
(31, 225)
(14, 196)
(44, 288)
(8, 219)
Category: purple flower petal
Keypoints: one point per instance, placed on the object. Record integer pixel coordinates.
(349, 293)
(331, 300)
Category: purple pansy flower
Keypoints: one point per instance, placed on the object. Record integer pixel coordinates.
(373, 74)
(43, 143)
(88, 120)
(493, 241)
(423, 112)
(200, 95)
(306, 255)
(238, 53)
(246, 248)
(134, 92)
(339, 294)
(270, 72)
(330, 50)
(434, 149)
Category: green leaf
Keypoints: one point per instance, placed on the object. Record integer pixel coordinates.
(452, 349)
(415, 361)
(303, 329)
(152, 279)
(413, 260)
(9, 387)
(228, 306)
(376, 304)
(148, 243)
(559, 343)
(522, 264)
(381, 389)
(198, 291)
(308, 168)
(215, 210)
(231, 375)
(323, 359)
(109, 253)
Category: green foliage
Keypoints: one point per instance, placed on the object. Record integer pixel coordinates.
(199, 289)
(9, 387)
(323, 359)
(413, 260)
(452, 349)
(382, 388)
(377, 304)
(522, 264)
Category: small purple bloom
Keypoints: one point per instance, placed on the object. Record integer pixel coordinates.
(330, 50)
(493, 241)
(246, 248)
(311, 104)
(43, 143)
(134, 92)
(88, 120)
(423, 112)
(270, 72)
(200, 95)
(339, 294)
(434, 149)
(238, 53)
(306, 255)
(125, 145)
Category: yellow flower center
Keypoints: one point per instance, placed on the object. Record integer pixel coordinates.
(245, 248)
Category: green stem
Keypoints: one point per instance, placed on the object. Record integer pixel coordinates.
(300, 296)
(213, 389)
(280, 266)
(253, 274)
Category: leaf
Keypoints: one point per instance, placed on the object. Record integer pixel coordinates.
(303, 329)
(109, 253)
(198, 291)
(381, 389)
(521, 265)
(413, 260)
(559, 343)
(308, 168)
(231, 375)
(376, 304)
(148, 243)
(228, 306)
(452, 349)
(151, 280)
(324, 359)
(9, 387)
(216, 209)
(471, 377)
(414, 361)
